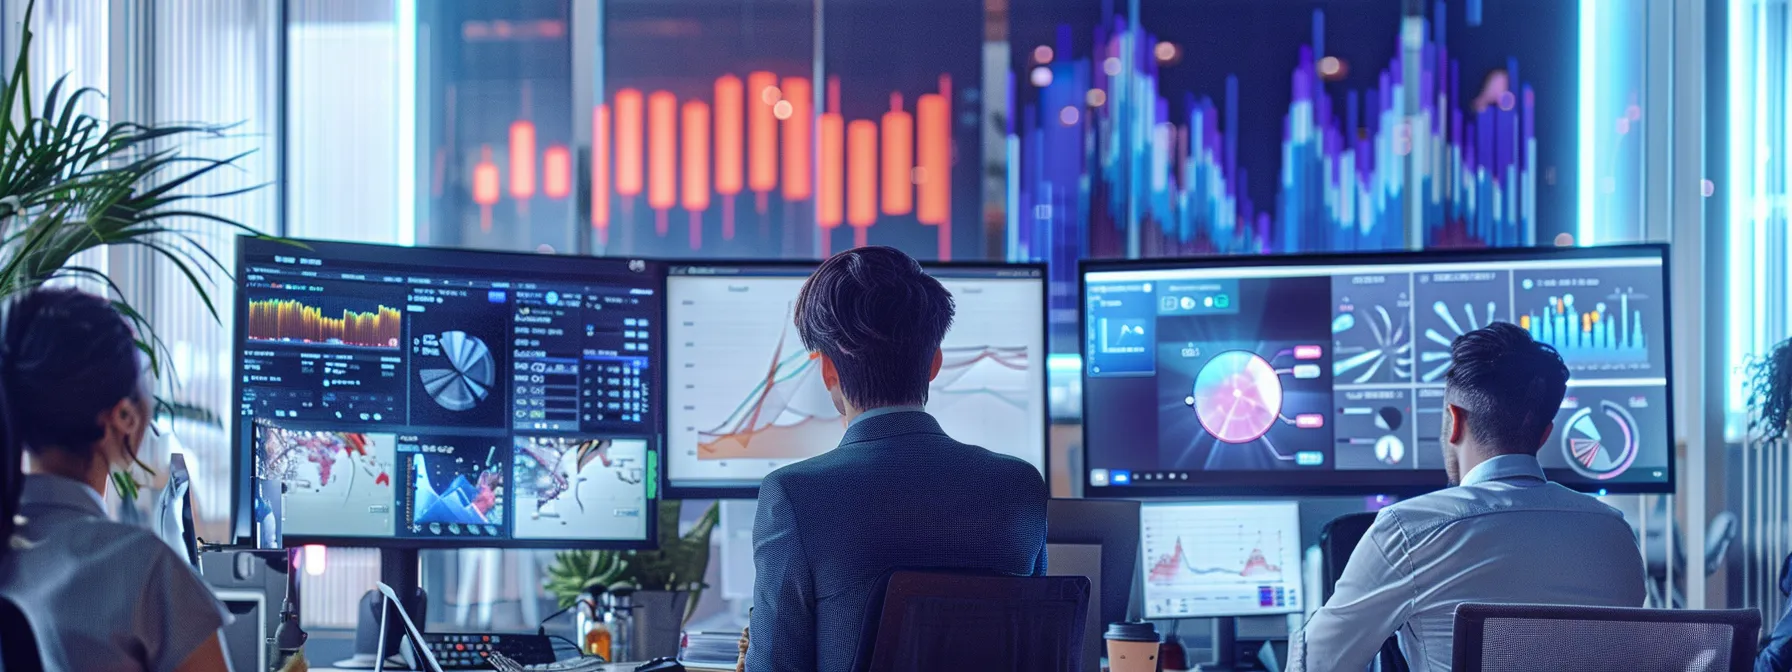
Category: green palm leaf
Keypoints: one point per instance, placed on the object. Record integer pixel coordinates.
(71, 182)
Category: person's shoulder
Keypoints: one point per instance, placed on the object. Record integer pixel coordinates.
(114, 548)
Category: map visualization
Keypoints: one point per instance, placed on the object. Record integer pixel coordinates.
(1327, 374)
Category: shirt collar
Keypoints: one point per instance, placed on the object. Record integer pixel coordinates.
(56, 491)
(886, 410)
(1505, 467)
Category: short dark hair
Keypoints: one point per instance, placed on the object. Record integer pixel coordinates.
(1511, 385)
(880, 319)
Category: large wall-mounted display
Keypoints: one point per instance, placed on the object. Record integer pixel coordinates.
(1168, 128)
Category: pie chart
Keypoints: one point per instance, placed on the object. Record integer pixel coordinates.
(1237, 396)
(467, 376)
(1600, 445)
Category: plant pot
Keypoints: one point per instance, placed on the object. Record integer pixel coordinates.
(659, 622)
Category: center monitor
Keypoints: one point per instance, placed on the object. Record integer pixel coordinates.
(427, 397)
(745, 397)
(1325, 374)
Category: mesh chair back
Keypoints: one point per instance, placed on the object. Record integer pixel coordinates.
(1501, 637)
(932, 620)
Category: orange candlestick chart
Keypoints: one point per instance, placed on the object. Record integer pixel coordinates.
(295, 320)
(760, 133)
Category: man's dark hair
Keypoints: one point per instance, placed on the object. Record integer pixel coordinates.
(1511, 385)
(880, 318)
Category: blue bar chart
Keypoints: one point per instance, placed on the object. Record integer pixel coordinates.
(1609, 330)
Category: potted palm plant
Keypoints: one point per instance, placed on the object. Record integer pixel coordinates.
(667, 581)
(71, 182)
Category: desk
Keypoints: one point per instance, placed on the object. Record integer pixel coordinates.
(613, 667)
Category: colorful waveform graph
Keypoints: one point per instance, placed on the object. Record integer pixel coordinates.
(295, 320)
(1111, 155)
(1608, 332)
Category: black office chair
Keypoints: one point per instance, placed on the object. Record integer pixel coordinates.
(1720, 532)
(18, 644)
(1337, 540)
(946, 620)
(1501, 637)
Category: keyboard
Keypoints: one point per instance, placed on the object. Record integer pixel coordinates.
(467, 651)
(586, 664)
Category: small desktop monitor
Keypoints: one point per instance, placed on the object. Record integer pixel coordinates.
(1324, 374)
(415, 397)
(744, 397)
(1214, 559)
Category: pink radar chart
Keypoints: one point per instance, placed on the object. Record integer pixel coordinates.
(1237, 396)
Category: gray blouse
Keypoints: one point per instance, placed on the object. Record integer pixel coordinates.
(102, 595)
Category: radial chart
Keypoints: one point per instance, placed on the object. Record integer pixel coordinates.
(1600, 445)
(1237, 396)
(468, 377)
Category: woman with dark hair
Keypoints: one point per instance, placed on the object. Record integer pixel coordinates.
(100, 595)
(1770, 396)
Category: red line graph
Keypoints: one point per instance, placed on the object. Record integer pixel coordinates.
(1168, 568)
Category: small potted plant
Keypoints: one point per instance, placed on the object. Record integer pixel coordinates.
(667, 581)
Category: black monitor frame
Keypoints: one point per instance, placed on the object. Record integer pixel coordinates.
(671, 491)
(1087, 266)
(535, 264)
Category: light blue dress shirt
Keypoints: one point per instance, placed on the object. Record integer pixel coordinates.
(102, 595)
(1506, 535)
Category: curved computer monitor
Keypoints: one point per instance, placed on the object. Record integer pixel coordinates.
(416, 397)
(1323, 374)
(744, 397)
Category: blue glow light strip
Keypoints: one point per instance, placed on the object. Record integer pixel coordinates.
(405, 46)
(1589, 42)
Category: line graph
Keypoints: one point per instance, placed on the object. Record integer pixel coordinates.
(789, 415)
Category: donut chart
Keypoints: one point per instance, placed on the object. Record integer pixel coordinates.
(1237, 396)
(1600, 446)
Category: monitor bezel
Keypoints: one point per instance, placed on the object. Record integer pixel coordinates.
(241, 520)
(752, 491)
(1143, 564)
(1156, 491)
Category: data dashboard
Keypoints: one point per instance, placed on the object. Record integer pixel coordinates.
(449, 396)
(1325, 374)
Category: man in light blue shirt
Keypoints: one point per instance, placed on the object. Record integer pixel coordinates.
(1503, 534)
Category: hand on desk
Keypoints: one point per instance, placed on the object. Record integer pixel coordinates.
(740, 664)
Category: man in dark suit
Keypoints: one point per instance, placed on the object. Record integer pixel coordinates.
(897, 492)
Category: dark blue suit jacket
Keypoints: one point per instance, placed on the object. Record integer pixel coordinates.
(897, 492)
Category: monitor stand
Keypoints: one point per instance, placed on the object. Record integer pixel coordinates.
(1228, 656)
(399, 568)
